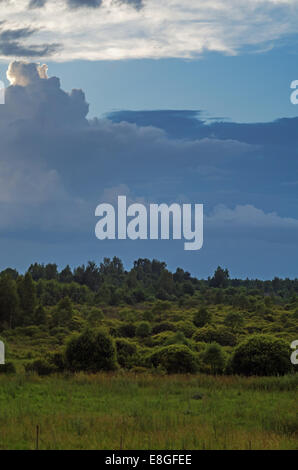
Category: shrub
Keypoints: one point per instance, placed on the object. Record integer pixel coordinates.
(8, 368)
(175, 359)
(220, 335)
(165, 337)
(127, 330)
(30, 331)
(163, 326)
(63, 312)
(161, 306)
(41, 367)
(91, 351)
(261, 355)
(95, 315)
(295, 315)
(214, 357)
(57, 359)
(202, 317)
(126, 314)
(177, 338)
(234, 320)
(143, 329)
(59, 330)
(186, 327)
(126, 353)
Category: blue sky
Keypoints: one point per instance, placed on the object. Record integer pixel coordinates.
(186, 104)
(244, 88)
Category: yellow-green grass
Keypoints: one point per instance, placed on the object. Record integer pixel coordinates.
(128, 411)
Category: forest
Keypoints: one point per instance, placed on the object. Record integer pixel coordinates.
(104, 318)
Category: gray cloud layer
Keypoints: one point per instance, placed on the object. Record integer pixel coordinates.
(11, 43)
(50, 151)
(56, 164)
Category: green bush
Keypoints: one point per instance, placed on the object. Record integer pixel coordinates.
(261, 355)
(126, 353)
(127, 330)
(63, 312)
(175, 359)
(186, 327)
(214, 357)
(163, 338)
(41, 367)
(295, 315)
(161, 306)
(202, 317)
(91, 351)
(143, 329)
(95, 315)
(221, 335)
(234, 320)
(177, 338)
(8, 368)
(163, 326)
(57, 359)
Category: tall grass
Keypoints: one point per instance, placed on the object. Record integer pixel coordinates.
(128, 411)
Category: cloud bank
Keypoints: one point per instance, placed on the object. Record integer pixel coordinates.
(56, 164)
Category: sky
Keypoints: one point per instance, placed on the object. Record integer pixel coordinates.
(161, 101)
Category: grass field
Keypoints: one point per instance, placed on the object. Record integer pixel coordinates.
(128, 411)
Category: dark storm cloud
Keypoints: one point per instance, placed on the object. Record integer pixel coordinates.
(15, 49)
(13, 34)
(11, 44)
(192, 124)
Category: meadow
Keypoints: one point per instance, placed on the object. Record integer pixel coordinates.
(125, 410)
(102, 358)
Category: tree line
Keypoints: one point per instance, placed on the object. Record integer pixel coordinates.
(24, 296)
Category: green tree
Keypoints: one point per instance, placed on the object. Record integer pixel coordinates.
(220, 335)
(40, 315)
(261, 355)
(202, 317)
(66, 275)
(143, 329)
(13, 273)
(51, 271)
(166, 282)
(28, 299)
(214, 357)
(126, 353)
(220, 278)
(63, 313)
(9, 302)
(103, 295)
(37, 271)
(175, 359)
(91, 351)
